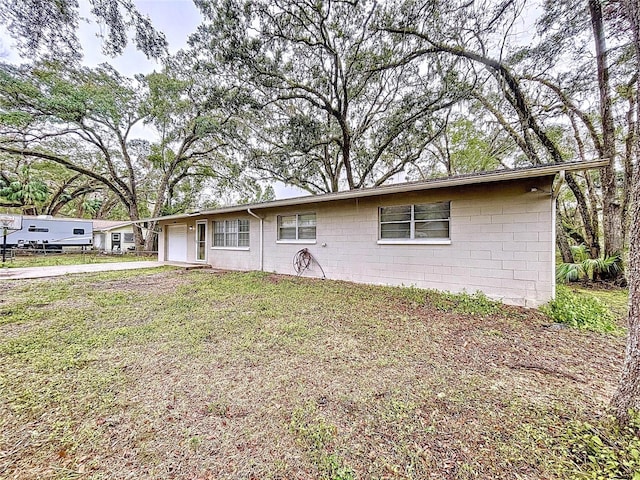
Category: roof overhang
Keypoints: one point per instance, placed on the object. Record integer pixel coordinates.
(448, 182)
(113, 227)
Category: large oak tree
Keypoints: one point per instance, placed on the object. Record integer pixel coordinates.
(85, 119)
(333, 104)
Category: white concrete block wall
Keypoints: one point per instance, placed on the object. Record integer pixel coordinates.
(222, 258)
(235, 258)
(501, 243)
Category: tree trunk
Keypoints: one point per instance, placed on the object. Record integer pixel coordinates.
(134, 215)
(629, 155)
(561, 237)
(627, 396)
(346, 155)
(589, 219)
(149, 242)
(611, 208)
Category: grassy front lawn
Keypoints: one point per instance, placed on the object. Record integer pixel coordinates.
(202, 375)
(55, 259)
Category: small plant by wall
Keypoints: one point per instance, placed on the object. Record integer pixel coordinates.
(580, 311)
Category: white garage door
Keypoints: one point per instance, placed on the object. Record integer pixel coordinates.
(177, 243)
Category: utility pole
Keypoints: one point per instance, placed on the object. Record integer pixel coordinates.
(4, 246)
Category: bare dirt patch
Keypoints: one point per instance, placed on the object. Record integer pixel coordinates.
(160, 283)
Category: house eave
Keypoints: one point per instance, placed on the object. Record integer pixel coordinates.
(113, 227)
(448, 182)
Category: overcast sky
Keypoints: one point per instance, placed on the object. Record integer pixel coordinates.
(176, 18)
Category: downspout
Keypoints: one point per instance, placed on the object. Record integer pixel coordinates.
(554, 195)
(261, 237)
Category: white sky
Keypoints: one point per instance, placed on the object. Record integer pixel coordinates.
(177, 19)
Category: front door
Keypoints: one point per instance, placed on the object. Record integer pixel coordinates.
(201, 241)
(116, 244)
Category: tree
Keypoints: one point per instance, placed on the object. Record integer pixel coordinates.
(627, 395)
(83, 119)
(332, 107)
(197, 127)
(47, 28)
(594, 130)
(46, 188)
(465, 147)
(537, 111)
(22, 192)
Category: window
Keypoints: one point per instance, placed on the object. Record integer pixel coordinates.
(231, 233)
(78, 231)
(128, 238)
(415, 222)
(297, 227)
(33, 228)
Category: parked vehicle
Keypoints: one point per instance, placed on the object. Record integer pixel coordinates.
(51, 234)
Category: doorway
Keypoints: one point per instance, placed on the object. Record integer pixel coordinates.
(201, 241)
(116, 243)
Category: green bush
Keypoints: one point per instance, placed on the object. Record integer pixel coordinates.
(602, 450)
(587, 268)
(580, 311)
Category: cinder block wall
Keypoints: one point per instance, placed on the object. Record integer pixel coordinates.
(236, 258)
(502, 243)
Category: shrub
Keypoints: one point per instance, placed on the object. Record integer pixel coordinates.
(580, 311)
(602, 450)
(585, 267)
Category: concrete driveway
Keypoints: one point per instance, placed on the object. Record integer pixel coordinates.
(41, 272)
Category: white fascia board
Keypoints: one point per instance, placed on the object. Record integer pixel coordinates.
(447, 182)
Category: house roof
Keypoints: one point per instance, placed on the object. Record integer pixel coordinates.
(57, 219)
(106, 225)
(447, 182)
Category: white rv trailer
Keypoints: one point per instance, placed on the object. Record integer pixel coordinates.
(48, 233)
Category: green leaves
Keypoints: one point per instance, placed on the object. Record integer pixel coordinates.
(580, 311)
(337, 104)
(600, 450)
(46, 28)
(25, 191)
(470, 150)
(588, 268)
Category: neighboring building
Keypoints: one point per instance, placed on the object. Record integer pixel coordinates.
(113, 236)
(492, 232)
(50, 233)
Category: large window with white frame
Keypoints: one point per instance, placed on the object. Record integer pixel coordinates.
(298, 227)
(419, 222)
(231, 233)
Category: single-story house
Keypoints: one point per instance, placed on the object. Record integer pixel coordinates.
(113, 235)
(492, 232)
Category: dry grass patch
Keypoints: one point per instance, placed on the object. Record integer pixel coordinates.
(188, 375)
(55, 259)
